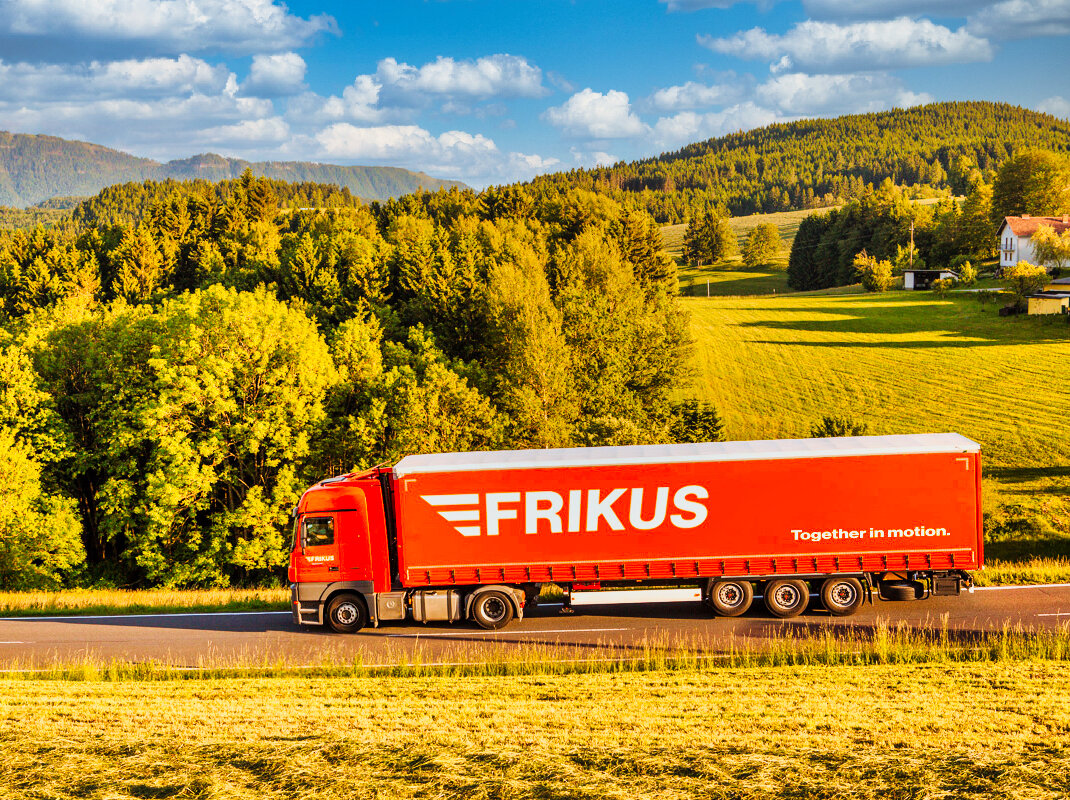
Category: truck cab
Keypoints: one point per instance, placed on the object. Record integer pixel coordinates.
(343, 564)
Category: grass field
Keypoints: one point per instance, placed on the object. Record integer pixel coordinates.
(999, 730)
(122, 601)
(902, 362)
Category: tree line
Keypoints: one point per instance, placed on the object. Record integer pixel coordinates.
(176, 367)
(931, 151)
(946, 234)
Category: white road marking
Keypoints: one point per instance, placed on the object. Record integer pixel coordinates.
(499, 633)
(16, 642)
(147, 616)
(1024, 586)
(1060, 614)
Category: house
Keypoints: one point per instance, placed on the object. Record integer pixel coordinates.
(923, 278)
(1015, 234)
(1049, 302)
(1054, 299)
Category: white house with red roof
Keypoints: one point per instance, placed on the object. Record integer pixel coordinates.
(1015, 235)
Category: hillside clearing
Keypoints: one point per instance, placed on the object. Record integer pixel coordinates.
(903, 362)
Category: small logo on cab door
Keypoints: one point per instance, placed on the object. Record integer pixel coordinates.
(319, 559)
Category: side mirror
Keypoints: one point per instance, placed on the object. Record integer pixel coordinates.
(303, 538)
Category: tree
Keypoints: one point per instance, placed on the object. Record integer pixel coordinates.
(876, 275)
(40, 539)
(1052, 249)
(709, 238)
(1024, 279)
(805, 270)
(832, 426)
(1035, 182)
(762, 245)
(696, 422)
(967, 274)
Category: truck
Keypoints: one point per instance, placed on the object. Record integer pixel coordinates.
(453, 537)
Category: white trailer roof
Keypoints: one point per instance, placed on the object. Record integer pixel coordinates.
(686, 453)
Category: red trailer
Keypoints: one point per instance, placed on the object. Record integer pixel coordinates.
(473, 535)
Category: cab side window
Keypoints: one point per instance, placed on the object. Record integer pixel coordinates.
(319, 531)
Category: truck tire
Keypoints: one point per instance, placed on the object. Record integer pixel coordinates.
(730, 598)
(899, 591)
(346, 613)
(786, 597)
(842, 596)
(492, 610)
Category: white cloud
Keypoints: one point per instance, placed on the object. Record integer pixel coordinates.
(127, 79)
(593, 115)
(272, 130)
(66, 29)
(275, 75)
(824, 47)
(797, 94)
(1020, 19)
(396, 91)
(1057, 106)
(693, 95)
(696, 5)
(498, 75)
(474, 157)
(889, 9)
(689, 126)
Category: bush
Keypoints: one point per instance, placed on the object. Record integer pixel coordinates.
(696, 422)
(1023, 279)
(967, 273)
(876, 275)
(830, 426)
(941, 286)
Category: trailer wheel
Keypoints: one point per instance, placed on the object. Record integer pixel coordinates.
(842, 596)
(786, 598)
(492, 610)
(731, 598)
(346, 613)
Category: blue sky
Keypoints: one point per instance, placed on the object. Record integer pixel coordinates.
(492, 91)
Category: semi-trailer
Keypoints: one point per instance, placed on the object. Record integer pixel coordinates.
(473, 536)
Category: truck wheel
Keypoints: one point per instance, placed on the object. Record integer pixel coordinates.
(346, 614)
(842, 596)
(786, 598)
(731, 598)
(492, 610)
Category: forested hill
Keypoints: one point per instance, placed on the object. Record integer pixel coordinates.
(822, 162)
(35, 168)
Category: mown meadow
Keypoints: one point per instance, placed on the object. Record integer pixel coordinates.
(901, 362)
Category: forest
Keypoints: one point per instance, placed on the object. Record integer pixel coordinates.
(930, 151)
(182, 359)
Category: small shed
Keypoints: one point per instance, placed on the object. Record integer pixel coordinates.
(923, 278)
(1049, 303)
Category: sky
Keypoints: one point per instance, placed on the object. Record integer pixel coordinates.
(495, 91)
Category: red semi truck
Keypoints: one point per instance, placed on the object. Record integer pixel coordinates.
(458, 536)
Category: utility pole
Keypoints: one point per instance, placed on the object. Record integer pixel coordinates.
(912, 244)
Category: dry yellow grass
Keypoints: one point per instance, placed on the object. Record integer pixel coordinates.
(118, 601)
(997, 730)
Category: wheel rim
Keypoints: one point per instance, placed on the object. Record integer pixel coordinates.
(494, 609)
(346, 613)
(844, 594)
(786, 596)
(730, 595)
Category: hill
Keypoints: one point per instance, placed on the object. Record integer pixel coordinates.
(35, 168)
(822, 162)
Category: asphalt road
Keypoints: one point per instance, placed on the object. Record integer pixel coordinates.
(191, 640)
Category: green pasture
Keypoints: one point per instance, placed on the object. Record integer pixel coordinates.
(903, 362)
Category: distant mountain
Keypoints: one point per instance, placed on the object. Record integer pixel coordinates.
(935, 148)
(36, 168)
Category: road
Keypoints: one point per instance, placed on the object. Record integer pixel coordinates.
(191, 640)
